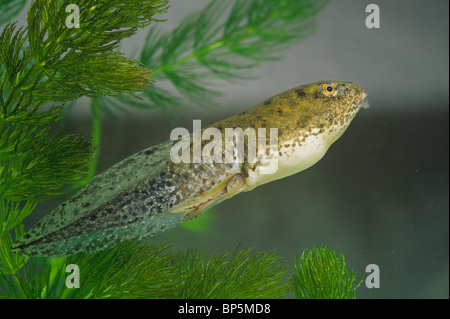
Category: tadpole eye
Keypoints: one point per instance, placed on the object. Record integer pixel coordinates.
(330, 89)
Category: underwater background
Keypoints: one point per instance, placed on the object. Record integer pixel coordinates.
(380, 195)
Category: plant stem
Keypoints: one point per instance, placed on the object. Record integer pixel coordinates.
(194, 55)
(96, 137)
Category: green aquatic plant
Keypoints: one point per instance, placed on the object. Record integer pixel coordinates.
(133, 270)
(41, 66)
(222, 42)
(322, 274)
(46, 65)
(242, 274)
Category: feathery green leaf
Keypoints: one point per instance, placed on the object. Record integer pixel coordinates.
(322, 274)
(223, 42)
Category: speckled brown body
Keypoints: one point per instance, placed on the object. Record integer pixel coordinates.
(147, 193)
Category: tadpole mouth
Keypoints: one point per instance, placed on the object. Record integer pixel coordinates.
(364, 102)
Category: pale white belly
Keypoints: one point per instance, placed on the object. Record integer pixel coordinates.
(291, 159)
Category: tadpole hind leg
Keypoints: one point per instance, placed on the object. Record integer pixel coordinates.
(231, 188)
